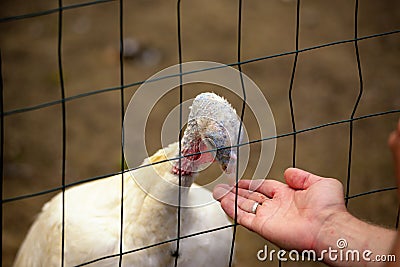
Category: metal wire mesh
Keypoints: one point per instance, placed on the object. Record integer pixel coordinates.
(239, 63)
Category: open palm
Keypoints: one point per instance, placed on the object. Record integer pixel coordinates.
(291, 215)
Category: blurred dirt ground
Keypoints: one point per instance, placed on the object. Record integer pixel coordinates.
(325, 89)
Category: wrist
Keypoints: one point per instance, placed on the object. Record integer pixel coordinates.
(345, 236)
(335, 226)
(340, 233)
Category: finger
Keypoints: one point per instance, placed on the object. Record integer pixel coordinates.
(398, 126)
(244, 204)
(267, 187)
(220, 191)
(244, 218)
(394, 138)
(300, 179)
(256, 196)
(394, 144)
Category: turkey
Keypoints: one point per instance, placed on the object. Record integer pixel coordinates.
(93, 210)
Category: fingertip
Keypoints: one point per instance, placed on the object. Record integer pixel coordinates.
(292, 173)
(300, 179)
(289, 171)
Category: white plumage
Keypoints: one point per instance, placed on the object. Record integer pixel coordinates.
(93, 210)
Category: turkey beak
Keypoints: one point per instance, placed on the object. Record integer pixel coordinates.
(226, 157)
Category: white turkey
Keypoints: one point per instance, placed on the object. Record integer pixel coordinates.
(93, 210)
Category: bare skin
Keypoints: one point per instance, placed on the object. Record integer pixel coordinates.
(394, 144)
(308, 212)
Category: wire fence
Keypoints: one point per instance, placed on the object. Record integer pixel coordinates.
(121, 88)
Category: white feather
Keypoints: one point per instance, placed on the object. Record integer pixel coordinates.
(92, 227)
(93, 221)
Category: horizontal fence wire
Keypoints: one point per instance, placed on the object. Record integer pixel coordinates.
(111, 89)
(52, 11)
(63, 100)
(209, 231)
(99, 177)
(156, 244)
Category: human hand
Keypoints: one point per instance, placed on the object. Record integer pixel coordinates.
(292, 215)
(394, 144)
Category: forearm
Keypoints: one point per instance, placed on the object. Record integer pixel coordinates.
(395, 251)
(347, 241)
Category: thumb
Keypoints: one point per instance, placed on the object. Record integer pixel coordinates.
(300, 179)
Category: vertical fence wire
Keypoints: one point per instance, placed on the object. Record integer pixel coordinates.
(360, 92)
(239, 48)
(64, 126)
(122, 83)
(291, 106)
(122, 86)
(1, 139)
(179, 36)
(292, 77)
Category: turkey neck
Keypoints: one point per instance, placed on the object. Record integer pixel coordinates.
(162, 187)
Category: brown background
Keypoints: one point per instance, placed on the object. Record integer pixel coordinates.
(325, 89)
